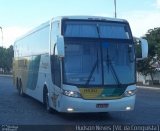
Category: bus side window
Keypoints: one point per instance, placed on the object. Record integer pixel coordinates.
(56, 70)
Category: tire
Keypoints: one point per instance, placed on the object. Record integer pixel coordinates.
(46, 101)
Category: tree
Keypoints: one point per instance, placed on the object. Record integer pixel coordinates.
(6, 56)
(148, 66)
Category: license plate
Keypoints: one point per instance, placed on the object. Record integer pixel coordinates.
(102, 105)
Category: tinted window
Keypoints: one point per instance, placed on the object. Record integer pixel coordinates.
(33, 44)
(56, 70)
(94, 29)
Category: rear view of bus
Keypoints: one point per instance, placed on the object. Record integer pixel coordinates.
(98, 67)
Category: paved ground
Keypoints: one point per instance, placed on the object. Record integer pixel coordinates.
(27, 111)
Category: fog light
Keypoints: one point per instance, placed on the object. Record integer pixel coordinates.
(70, 109)
(128, 108)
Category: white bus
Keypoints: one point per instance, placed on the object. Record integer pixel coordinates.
(78, 64)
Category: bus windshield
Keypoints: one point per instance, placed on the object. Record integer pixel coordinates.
(97, 58)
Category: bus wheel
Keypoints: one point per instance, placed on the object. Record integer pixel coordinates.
(46, 100)
(20, 89)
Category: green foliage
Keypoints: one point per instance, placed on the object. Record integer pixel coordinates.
(6, 56)
(147, 66)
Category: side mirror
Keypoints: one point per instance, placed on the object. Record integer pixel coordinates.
(141, 48)
(59, 51)
(144, 45)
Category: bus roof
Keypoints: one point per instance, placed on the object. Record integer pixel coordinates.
(59, 18)
(89, 18)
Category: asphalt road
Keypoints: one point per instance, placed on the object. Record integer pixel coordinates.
(27, 111)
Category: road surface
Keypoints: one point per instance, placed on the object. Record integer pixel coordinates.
(27, 111)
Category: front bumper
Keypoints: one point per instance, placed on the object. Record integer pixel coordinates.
(79, 105)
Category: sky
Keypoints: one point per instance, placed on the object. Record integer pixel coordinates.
(19, 16)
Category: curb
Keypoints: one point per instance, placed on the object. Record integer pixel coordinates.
(1, 75)
(146, 87)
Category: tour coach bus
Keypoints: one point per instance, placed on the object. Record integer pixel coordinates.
(78, 64)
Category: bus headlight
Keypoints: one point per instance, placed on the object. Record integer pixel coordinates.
(71, 93)
(130, 93)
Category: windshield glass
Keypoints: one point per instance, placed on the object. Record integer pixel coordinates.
(118, 63)
(82, 59)
(94, 63)
(95, 58)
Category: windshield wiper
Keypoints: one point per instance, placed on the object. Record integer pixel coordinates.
(108, 63)
(96, 62)
(93, 69)
(113, 69)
